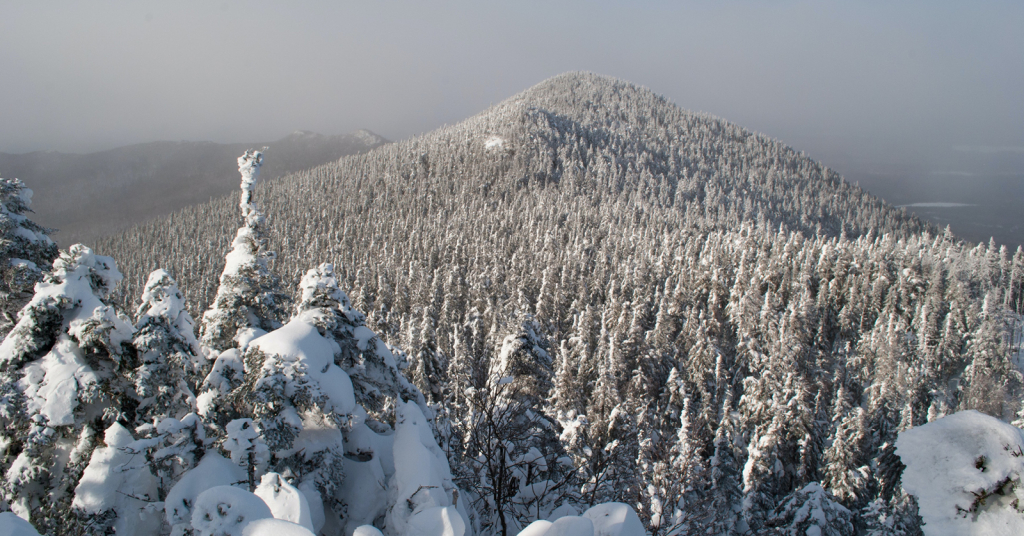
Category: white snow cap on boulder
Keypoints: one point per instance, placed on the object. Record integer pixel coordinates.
(285, 501)
(615, 519)
(275, 527)
(965, 470)
(226, 510)
(12, 525)
(607, 519)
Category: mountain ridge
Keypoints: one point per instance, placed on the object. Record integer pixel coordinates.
(86, 196)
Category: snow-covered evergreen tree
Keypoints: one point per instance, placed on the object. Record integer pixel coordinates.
(248, 301)
(64, 379)
(248, 304)
(810, 510)
(26, 252)
(168, 352)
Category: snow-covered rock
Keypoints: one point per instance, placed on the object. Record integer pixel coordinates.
(615, 519)
(226, 510)
(571, 526)
(275, 527)
(965, 470)
(12, 525)
(367, 530)
(537, 528)
(213, 470)
(285, 501)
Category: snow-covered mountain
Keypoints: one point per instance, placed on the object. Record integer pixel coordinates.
(598, 301)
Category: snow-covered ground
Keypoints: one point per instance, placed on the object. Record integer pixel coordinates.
(965, 470)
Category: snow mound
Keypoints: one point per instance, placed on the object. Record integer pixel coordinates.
(285, 501)
(436, 521)
(615, 519)
(571, 526)
(367, 530)
(494, 142)
(275, 527)
(12, 525)
(422, 484)
(226, 510)
(537, 528)
(965, 472)
(300, 346)
(213, 470)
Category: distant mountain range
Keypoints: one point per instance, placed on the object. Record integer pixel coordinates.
(87, 196)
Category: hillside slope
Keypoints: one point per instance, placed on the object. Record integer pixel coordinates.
(700, 314)
(86, 196)
(576, 149)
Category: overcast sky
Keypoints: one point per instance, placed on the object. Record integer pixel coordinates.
(873, 82)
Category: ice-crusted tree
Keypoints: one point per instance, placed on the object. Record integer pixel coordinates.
(169, 354)
(26, 252)
(810, 510)
(511, 463)
(64, 372)
(306, 388)
(511, 460)
(248, 303)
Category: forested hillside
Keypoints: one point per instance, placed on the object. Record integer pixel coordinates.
(608, 298)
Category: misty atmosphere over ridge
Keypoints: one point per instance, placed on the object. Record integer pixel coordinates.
(917, 102)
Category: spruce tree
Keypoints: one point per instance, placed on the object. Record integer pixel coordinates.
(26, 252)
(64, 379)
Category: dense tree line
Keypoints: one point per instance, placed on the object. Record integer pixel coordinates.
(674, 312)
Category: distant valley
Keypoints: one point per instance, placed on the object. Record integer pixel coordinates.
(88, 196)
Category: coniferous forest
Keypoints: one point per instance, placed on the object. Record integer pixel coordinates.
(583, 296)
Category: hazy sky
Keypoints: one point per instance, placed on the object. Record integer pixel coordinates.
(879, 83)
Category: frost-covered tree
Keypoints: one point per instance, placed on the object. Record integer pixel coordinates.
(811, 510)
(26, 252)
(512, 466)
(168, 352)
(248, 301)
(64, 372)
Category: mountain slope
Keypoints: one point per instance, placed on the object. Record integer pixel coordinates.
(586, 140)
(86, 196)
(702, 315)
